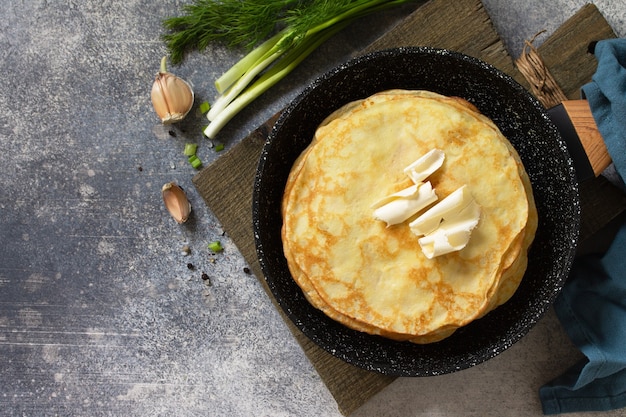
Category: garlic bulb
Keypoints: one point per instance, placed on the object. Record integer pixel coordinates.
(172, 97)
(176, 202)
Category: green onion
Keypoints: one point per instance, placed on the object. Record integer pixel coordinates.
(195, 162)
(190, 149)
(216, 246)
(225, 111)
(205, 107)
(219, 147)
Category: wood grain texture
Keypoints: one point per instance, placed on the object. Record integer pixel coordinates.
(461, 26)
(565, 52)
(585, 125)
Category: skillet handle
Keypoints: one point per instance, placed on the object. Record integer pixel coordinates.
(581, 118)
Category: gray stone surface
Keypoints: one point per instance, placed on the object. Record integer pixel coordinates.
(99, 312)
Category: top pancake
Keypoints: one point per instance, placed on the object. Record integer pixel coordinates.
(375, 278)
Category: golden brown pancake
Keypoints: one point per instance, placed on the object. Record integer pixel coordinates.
(375, 278)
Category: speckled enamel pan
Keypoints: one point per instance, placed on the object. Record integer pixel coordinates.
(522, 120)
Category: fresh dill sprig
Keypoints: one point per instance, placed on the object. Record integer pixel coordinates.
(233, 22)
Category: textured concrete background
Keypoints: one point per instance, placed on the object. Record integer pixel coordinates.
(99, 312)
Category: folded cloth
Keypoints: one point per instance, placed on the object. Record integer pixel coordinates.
(592, 305)
(606, 94)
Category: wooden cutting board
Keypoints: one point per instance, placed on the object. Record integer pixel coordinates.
(463, 26)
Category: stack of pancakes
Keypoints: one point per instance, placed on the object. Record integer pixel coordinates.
(375, 278)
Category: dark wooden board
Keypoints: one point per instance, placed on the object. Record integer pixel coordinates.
(462, 26)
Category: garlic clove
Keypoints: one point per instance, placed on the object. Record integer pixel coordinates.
(172, 97)
(176, 202)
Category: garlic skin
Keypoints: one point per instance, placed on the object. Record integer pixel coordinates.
(176, 202)
(172, 97)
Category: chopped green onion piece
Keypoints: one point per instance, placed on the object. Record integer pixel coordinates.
(216, 246)
(195, 161)
(205, 107)
(219, 147)
(190, 149)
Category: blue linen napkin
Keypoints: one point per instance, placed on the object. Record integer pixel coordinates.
(592, 305)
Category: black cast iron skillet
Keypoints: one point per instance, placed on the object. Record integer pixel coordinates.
(523, 121)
